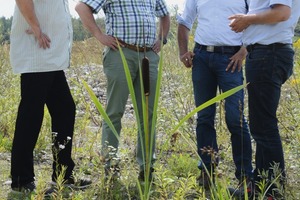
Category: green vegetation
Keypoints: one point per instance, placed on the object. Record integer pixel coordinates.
(80, 33)
(176, 167)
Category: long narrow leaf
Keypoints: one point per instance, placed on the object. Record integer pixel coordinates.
(100, 109)
(130, 86)
(208, 103)
(156, 100)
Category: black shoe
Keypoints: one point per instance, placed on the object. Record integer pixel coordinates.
(79, 184)
(275, 195)
(270, 197)
(48, 192)
(27, 188)
(244, 187)
(142, 177)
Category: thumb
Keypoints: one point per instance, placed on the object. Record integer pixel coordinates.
(232, 17)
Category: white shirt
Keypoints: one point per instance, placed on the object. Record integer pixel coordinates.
(55, 21)
(281, 32)
(213, 23)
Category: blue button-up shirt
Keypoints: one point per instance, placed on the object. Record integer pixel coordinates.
(281, 32)
(213, 23)
(127, 19)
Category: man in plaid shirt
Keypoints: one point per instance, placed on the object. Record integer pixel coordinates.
(132, 24)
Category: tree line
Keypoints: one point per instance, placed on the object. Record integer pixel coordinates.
(79, 32)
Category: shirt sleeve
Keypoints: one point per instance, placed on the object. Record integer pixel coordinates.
(95, 5)
(161, 8)
(283, 2)
(189, 14)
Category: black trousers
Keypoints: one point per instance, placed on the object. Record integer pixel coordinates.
(38, 89)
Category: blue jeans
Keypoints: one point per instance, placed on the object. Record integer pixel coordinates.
(208, 73)
(266, 70)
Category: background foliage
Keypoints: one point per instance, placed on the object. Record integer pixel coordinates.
(80, 33)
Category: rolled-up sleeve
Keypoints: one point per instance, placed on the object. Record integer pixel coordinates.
(188, 15)
(161, 8)
(283, 2)
(95, 5)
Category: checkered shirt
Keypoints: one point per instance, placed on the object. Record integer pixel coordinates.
(126, 19)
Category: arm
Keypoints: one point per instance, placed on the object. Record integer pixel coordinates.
(86, 15)
(183, 40)
(275, 14)
(164, 27)
(27, 9)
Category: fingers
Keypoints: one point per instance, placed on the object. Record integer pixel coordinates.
(44, 41)
(113, 44)
(109, 41)
(157, 47)
(187, 59)
(232, 17)
(239, 65)
(230, 65)
(238, 23)
(188, 62)
(233, 65)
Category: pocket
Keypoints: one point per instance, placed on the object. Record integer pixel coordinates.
(257, 55)
(259, 66)
(285, 63)
(105, 51)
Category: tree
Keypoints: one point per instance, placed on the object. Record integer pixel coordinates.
(5, 25)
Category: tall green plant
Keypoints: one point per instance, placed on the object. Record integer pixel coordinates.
(145, 190)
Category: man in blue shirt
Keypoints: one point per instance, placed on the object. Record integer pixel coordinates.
(216, 61)
(268, 32)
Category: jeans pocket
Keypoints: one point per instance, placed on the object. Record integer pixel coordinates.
(259, 66)
(104, 53)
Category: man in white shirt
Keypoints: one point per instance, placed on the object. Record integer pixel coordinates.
(41, 37)
(216, 61)
(268, 31)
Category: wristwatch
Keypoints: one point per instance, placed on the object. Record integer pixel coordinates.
(164, 40)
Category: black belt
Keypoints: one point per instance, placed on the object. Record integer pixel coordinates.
(218, 49)
(272, 46)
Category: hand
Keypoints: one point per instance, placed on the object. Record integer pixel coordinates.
(187, 59)
(236, 61)
(43, 39)
(238, 22)
(109, 41)
(157, 46)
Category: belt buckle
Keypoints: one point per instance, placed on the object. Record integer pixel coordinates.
(210, 48)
